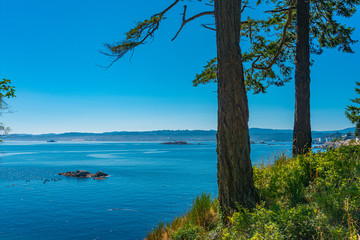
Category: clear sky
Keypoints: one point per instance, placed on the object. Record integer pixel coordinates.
(50, 50)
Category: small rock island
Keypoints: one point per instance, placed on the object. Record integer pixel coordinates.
(177, 143)
(85, 174)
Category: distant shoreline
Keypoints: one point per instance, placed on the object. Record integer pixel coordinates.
(256, 135)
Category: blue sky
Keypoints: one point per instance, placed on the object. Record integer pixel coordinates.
(50, 50)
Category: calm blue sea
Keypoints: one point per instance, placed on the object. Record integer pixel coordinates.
(148, 182)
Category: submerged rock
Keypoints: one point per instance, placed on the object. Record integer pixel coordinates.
(84, 174)
(99, 178)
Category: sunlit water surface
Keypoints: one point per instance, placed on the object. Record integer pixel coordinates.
(148, 182)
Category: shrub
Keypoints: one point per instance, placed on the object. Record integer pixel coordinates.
(203, 212)
(313, 196)
(188, 232)
(157, 233)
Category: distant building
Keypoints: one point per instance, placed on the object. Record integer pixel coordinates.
(349, 135)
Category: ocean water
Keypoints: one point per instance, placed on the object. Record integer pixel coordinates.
(148, 182)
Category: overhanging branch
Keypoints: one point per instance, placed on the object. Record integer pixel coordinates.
(136, 36)
(282, 43)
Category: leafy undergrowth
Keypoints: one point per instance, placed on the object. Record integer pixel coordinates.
(316, 196)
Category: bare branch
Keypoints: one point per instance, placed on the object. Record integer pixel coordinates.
(168, 8)
(185, 21)
(280, 10)
(243, 8)
(210, 28)
(250, 32)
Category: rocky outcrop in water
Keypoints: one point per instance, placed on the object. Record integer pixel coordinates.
(177, 143)
(85, 174)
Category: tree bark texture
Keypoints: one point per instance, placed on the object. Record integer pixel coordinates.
(302, 126)
(235, 174)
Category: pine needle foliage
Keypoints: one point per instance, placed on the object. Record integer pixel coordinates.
(270, 58)
(7, 90)
(353, 112)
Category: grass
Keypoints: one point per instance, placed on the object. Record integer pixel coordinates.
(315, 196)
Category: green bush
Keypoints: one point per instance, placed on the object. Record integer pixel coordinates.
(189, 232)
(314, 196)
(156, 233)
(199, 213)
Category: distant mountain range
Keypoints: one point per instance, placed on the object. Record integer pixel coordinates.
(256, 134)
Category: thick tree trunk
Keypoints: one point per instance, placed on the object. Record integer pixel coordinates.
(302, 126)
(235, 176)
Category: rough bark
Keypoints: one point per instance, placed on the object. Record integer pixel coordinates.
(302, 126)
(235, 176)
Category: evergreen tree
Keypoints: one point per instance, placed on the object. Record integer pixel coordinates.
(353, 112)
(235, 176)
(328, 32)
(306, 27)
(302, 125)
(6, 91)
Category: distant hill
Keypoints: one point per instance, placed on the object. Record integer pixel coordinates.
(163, 135)
(256, 134)
(259, 134)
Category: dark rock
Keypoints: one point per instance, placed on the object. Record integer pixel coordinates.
(51, 141)
(84, 174)
(68, 174)
(100, 174)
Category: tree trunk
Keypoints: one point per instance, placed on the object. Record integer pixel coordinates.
(302, 126)
(235, 175)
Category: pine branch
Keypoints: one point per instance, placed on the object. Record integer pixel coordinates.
(136, 36)
(282, 43)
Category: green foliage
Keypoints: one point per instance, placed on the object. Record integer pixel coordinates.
(189, 232)
(135, 37)
(6, 91)
(353, 112)
(208, 75)
(201, 218)
(325, 26)
(267, 57)
(319, 191)
(157, 233)
(200, 213)
(269, 60)
(313, 196)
